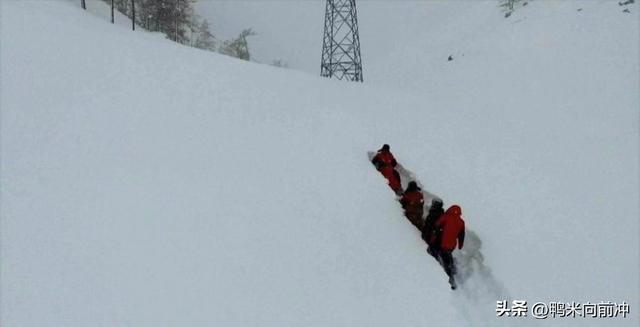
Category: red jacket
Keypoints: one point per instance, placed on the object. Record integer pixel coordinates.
(451, 227)
(384, 158)
(413, 199)
(392, 177)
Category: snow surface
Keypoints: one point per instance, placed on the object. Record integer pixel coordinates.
(142, 190)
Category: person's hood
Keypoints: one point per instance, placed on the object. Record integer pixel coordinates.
(454, 210)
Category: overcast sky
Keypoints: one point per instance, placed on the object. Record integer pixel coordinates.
(402, 41)
(287, 29)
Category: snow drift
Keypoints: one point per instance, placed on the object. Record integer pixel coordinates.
(149, 184)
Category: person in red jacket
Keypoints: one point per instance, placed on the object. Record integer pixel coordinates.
(413, 204)
(451, 231)
(393, 177)
(384, 158)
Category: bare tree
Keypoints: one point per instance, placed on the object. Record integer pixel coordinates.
(238, 47)
(203, 38)
(112, 13)
(510, 5)
(83, 4)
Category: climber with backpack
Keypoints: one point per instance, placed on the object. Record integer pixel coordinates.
(384, 157)
(429, 234)
(385, 163)
(450, 228)
(412, 202)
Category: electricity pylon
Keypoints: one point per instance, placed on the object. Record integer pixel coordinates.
(341, 44)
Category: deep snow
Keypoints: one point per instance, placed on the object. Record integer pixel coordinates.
(141, 190)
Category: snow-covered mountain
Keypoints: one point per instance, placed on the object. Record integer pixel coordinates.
(144, 183)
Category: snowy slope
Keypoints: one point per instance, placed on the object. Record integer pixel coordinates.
(540, 136)
(138, 190)
(533, 126)
(141, 192)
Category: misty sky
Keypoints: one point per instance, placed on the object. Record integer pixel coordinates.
(288, 30)
(402, 42)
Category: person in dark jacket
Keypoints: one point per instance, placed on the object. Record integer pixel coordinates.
(413, 204)
(429, 234)
(451, 230)
(384, 158)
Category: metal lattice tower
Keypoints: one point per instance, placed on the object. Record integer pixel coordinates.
(341, 44)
